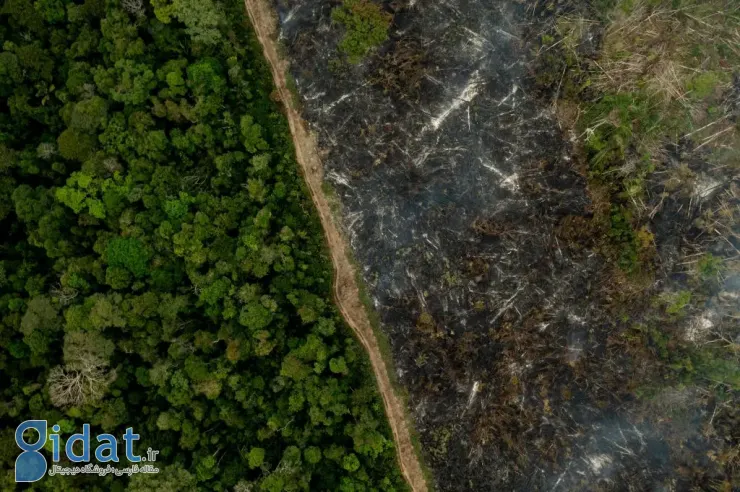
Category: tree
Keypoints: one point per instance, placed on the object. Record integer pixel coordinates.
(161, 264)
(134, 7)
(40, 324)
(252, 135)
(351, 463)
(68, 387)
(84, 377)
(205, 77)
(338, 365)
(105, 311)
(366, 27)
(128, 253)
(81, 193)
(89, 115)
(128, 82)
(255, 316)
(51, 10)
(85, 350)
(74, 145)
(312, 454)
(201, 18)
(256, 457)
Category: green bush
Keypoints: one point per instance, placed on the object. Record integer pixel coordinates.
(366, 27)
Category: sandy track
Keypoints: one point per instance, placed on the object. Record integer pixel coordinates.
(346, 292)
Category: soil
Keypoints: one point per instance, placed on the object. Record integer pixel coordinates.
(346, 291)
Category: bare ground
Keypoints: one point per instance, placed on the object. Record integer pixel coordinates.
(346, 291)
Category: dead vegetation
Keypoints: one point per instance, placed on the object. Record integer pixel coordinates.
(664, 76)
(76, 387)
(681, 61)
(401, 70)
(491, 227)
(654, 111)
(525, 387)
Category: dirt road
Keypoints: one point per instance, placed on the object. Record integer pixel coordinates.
(346, 291)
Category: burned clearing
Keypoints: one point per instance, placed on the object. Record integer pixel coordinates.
(556, 269)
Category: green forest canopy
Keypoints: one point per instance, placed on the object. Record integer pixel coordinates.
(161, 266)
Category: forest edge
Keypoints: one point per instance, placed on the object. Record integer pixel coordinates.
(346, 290)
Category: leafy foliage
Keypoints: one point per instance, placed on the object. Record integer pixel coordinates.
(366, 27)
(160, 265)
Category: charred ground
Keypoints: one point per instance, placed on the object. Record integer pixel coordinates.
(563, 316)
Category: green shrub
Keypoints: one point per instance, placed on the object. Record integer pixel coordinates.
(704, 84)
(366, 27)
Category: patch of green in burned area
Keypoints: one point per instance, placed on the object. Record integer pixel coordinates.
(648, 93)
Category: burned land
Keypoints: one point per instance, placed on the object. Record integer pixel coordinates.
(542, 199)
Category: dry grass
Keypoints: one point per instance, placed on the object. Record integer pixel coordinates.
(651, 96)
(654, 48)
(640, 50)
(720, 223)
(682, 59)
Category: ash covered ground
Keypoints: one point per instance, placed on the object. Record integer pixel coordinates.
(454, 180)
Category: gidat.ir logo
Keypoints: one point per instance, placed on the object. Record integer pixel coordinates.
(30, 465)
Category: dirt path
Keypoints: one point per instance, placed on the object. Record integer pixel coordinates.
(346, 292)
